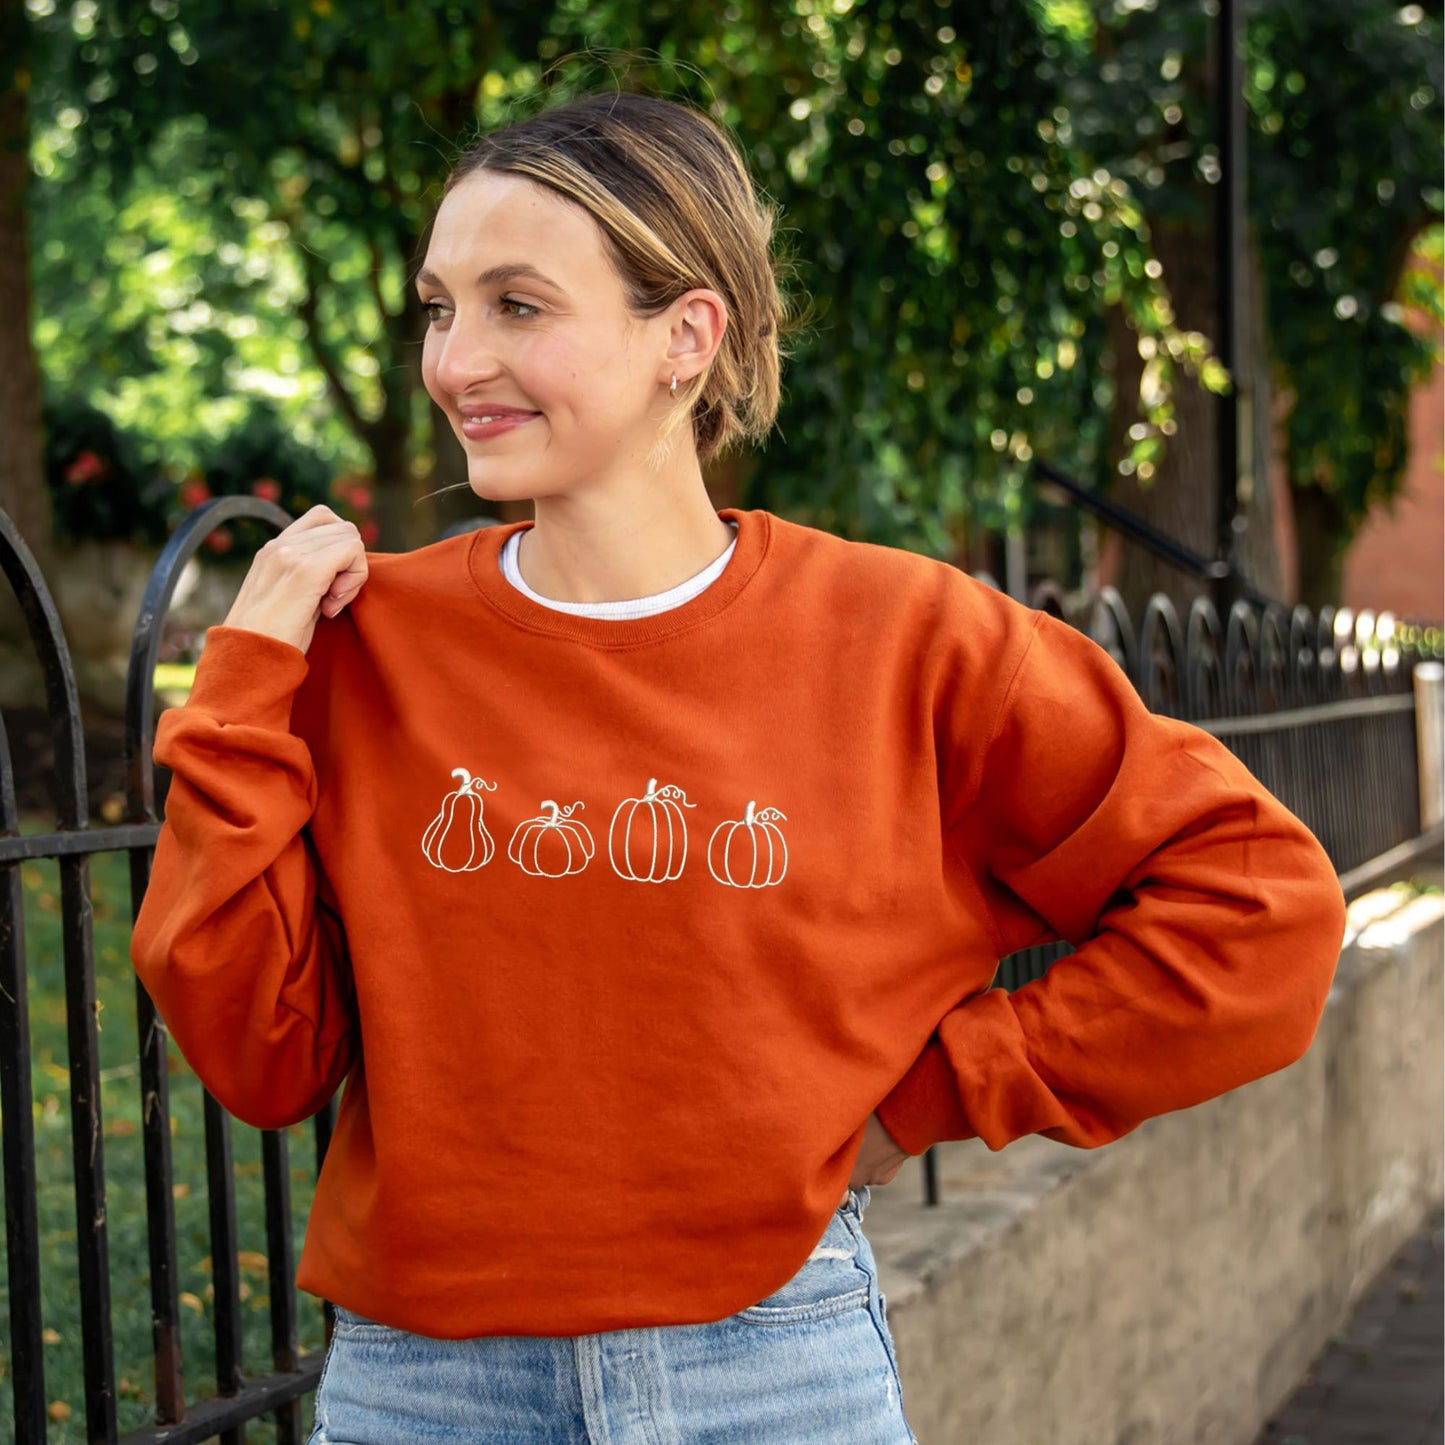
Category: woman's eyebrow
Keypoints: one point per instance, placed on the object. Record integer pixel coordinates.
(495, 275)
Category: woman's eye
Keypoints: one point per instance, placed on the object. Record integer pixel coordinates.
(433, 310)
(519, 309)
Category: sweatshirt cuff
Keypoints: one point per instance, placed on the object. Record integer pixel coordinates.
(245, 677)
(923, 1106)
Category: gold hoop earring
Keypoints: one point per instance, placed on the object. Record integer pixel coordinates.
(672, 390)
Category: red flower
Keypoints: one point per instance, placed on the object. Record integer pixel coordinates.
(85, 468)
(220, 542)
(370, 530)
(194, 491)
(266, 489)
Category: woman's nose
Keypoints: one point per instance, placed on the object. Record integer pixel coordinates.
(466, 356)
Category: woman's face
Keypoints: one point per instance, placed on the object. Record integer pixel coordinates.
(548, 379)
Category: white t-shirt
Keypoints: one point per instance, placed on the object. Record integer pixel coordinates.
(628, 607)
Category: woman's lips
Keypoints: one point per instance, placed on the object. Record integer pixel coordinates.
(479, 425)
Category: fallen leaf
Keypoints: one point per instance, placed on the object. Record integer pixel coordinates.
(58, 1410)
(191, 1301)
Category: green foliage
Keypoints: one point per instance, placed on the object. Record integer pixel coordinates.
(966, 191)
(1345, 117)
(99, 486)
(260, 458)
(1346, 155)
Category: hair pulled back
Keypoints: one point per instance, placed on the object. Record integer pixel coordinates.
(676, 206)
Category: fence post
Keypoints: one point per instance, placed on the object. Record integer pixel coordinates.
(1430, 737)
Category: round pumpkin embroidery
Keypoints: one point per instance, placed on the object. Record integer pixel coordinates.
(647, 841)
(553, 844)
(457, 840)
(749, 852)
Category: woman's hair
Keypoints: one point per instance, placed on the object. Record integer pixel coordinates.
(677, 210)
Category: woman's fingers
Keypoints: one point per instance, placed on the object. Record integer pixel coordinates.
(314, 568)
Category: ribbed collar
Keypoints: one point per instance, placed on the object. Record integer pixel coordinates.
(485, 566)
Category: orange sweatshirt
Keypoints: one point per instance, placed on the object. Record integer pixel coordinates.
(618, 930)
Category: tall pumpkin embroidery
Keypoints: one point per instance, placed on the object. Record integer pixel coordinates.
(457, 840)
(647, 841)
(749, 852)
(553, 844)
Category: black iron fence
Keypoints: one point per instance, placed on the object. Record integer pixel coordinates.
(1322, 709)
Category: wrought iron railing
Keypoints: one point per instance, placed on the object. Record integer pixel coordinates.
(1320, 707)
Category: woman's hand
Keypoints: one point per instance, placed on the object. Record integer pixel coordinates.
(312, 569)
(879, 1157)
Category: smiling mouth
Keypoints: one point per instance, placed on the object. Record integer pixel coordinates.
(484, 425)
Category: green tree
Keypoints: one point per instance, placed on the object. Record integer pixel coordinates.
(994, 210)
(332, 148)
(912, 400)
(1344, 119)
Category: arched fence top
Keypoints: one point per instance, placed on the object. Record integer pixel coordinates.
(1109, 626)
(61, 698)
(1161, 680)
(145, 648)
(1260, 660)
(1204, 661)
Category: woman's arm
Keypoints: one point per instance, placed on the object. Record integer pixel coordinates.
(236, 940)
(1206, 919)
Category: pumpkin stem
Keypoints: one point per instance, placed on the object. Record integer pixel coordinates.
(465, 776)
(651, 793)
(748, 815)
(552, 821)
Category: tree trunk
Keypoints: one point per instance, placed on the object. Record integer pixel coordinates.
(23, 493)
(1323, 538)
(1182, 498)
(401, 528)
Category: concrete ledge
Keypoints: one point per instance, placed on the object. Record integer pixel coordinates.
(1172, 1287)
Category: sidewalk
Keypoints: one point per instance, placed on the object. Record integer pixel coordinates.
(1382, 1380)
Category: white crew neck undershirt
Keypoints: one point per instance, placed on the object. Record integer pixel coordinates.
(627, 607)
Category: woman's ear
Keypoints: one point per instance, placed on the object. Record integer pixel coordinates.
(699, 319)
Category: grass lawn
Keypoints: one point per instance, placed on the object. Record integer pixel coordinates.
(125, 1184)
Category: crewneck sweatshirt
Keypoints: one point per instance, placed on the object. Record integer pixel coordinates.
(617, 930)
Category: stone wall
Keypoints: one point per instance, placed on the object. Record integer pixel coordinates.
(1173, 1287)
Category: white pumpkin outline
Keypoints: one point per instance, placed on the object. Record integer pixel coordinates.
(764, 820)
(441, 822)
(668, 798)
(556, 819)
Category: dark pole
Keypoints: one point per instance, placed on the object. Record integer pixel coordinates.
(1229, 266)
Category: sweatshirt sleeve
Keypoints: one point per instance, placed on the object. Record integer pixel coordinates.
(238, 941)
(1206, 919)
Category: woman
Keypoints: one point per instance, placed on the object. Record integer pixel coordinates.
(643, 869)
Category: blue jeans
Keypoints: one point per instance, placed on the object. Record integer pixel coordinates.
(812, 1364)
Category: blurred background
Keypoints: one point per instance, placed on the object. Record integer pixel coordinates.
(1001, 219)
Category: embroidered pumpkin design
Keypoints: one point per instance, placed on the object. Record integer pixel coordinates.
(749, 852)
(647, 841)
(553, 845)
(457, 840)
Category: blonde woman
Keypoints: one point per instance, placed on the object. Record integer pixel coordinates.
(643, 869)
